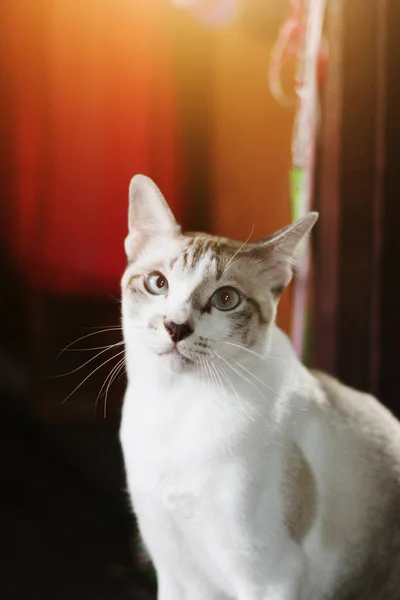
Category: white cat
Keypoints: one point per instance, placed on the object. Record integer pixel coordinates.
(251, 477)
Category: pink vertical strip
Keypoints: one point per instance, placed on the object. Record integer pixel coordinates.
(304, 151)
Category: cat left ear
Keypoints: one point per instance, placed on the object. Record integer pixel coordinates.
(282, 250)
(149, 215)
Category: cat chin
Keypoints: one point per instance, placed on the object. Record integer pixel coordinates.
(176, 362)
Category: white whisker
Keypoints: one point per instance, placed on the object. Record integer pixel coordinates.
(105, 348)
(107, 378)
(264, 358)
(217, 373)
(205, 372)
(88, 335)
(246, 379)
(257, 378)
(95, 347)
(116, 372)
(212, 376)
(233, 368)
(213, 370)
(237, 251)
(221, 385)
(228, 380)
(92, 373)
(260, 415)
(201, 369)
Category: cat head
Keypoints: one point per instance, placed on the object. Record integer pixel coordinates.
(187, 297)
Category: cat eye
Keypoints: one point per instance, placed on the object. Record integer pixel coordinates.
(226, 298)
(156, 284)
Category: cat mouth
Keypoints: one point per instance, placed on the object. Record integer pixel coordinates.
(174, 352)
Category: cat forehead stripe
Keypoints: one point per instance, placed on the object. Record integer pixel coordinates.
(195, 250)
(199, 246)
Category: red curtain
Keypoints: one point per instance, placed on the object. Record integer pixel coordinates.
(91, 90)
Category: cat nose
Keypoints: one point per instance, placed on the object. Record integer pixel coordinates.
(178, 331)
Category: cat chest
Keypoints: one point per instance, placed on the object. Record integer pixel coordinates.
(183, 472)
(177, 473)
(187, 453)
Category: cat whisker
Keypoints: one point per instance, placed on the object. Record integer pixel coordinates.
(228, 380)
(209, 372)
(235, 370)
(215, 380)
(258, 413)
(257, 378)
(201, 362)
(104, 349)
(201, 369)
(239, 249)
(232, 387)
(217, 372)
(92, 373)
(212, 377)
(88, 335)
(107, 378)
(264, 358)
(206, 376)
(219, 379)
(116, 372)
(95, 347)
(220, 371)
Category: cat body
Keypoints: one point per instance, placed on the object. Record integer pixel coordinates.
(251, 478)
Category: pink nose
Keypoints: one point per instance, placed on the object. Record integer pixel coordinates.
(178, 331)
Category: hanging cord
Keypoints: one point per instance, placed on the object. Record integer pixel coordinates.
(286, 49)
(303, 158)
(300, 40)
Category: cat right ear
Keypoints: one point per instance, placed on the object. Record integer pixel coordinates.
(149, 215)
(281, 252)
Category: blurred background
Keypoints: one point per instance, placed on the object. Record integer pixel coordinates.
(246, 113)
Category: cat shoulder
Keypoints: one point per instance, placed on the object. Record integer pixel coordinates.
(356, 409)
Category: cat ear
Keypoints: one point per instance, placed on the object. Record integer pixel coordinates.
(282, 251)
(149, 215)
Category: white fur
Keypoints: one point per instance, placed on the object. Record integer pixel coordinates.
(203, 469)
(205, 449)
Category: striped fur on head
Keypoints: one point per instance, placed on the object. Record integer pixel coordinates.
(195, 266)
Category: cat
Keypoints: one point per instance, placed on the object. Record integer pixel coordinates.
(251, 477)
